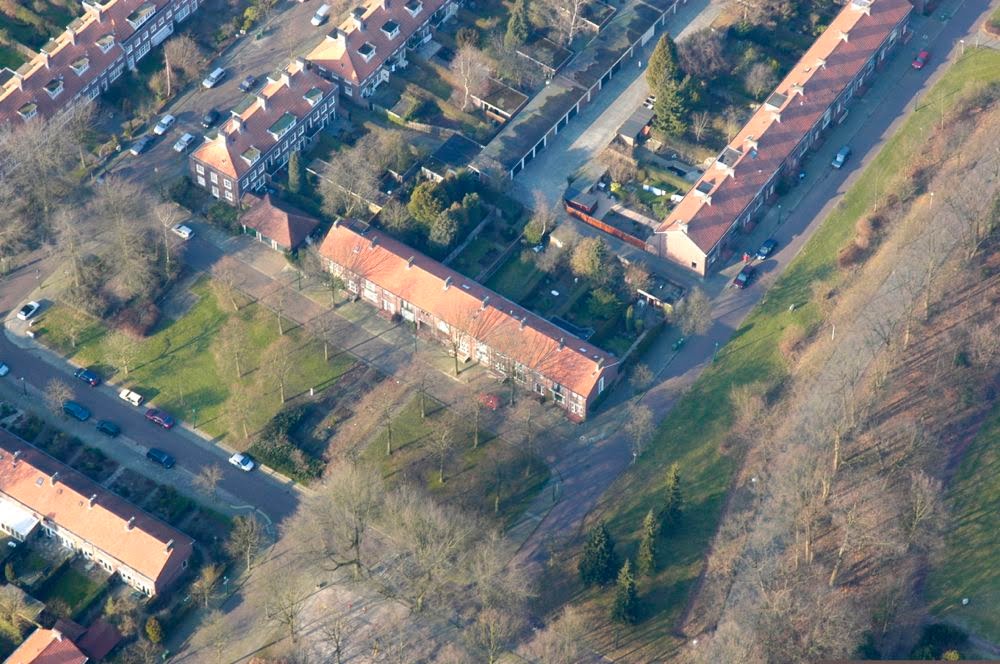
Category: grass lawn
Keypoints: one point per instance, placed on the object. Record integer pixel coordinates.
(692, 433)
(968, 567)
(177, 367)
(470, 474)
(10, 58)
(516, 278)
(70, 586)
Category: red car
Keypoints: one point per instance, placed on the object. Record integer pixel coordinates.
(745, 277)
(161, 417)
(921, 59)
(490, 401)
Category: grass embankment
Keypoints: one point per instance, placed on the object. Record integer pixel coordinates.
(178, 368)
(697, 426)
(968, 565)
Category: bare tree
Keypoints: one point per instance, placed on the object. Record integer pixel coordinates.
(348, 184)
(694, 313)
(57, 392)
(225, 281)
(207, 480)
(924, 511)
(284, 603)
(204, 587)
(231, 346)
(182, 55)
(641, 377)
(395, 216)
(214, 635)
(334, 630)
(759, 79)
(639, 427)
(240, 407)
(700, 121)
(278, 365)
(496, 629)
(167, 214)
(565, 17)
(13, 606)
(564, 640)
(471, 67)
(702, 54)
(246, 538)
(122, 351)
(442, 442)
(732, 121)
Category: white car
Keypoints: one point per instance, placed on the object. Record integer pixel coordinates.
(242, 461)
(213, 79)
(183, 231)
(28, 310)
(4, 370)
(133, 398)
(165, 123)
(184, 142)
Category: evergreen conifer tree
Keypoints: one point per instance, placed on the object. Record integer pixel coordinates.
(673, 500)
(625, 608)
(646, 563)
(662, 65)
(599, 562)
(518, 25)
(295, 173)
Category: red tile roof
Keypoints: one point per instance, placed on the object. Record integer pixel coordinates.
(248, 127)
(112, 525)
(46, 646)
(813, 85)
(57, 58)
(99, 639)
(286, 225)
(504, 326)
(338, 53)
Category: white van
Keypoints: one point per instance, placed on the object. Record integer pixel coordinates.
(133, 398)
(323, 13)
(213, 79)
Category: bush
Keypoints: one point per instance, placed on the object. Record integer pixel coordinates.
(275, 447)
(793, 341)
(851, 255)
(223, 215)
(138, 319)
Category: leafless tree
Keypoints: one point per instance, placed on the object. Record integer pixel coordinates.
(182, 56)
(759, 79)
(284, 603)
(122, 351)
(225, 281)
(395, 216)
(621, 167)
(496, 629)
(348, 184)
(984, 343)
(471, 67)
(240, 407)
(214, 635)
(121, 202)
(639, 427)
(277, 300)
(694, 313)
(231, 346)
(441, 442)
(924, 511)
(334, 630)
(732, 121)
(205, 586)
(13, 606)
(167, 214)
(246, 538)
(700, 122)
(565, 17)
(702, 54)
(641, 377)
(564, 640)
(57, 392)
(207, 480)
(278, 364)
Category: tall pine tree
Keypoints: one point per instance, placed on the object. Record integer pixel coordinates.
(625, 608)
(673, 500)
(295, 173)
(670, 108)
(646, 563)
(662, 65)
(518, 25)
(599, 561)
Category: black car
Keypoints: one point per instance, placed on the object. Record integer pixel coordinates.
(209, 119)
(160, 457)
(76, 411)
(246, 85)
(766, 249)
(745, 277)
(88, 376)
(109, 428)
(140, 145)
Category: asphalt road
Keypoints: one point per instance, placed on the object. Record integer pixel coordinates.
(193, 453)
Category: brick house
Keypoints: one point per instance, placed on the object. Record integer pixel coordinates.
(84, 60)
(59, 502)
(47, 646)
(262, 131)
(733, 191)
(277, 224)
(373, 41)
(477, 323)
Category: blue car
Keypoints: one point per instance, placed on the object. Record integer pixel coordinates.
(76, 411)
(766, 249)
(88, 376)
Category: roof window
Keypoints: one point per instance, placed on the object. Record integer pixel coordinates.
(282, 125)
(54, 87)
(414, 7)
(367, 51)
(80, 65)
(391, 29)
(251, 155)
(141, 15)
(105, 43)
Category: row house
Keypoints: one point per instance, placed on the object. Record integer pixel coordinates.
(476, 323)
(39, 495)
(373, 41)
(732, 192)
(263, 131)
(83, 61)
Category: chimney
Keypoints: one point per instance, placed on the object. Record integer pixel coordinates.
(409, 262)
(600, 364)
(447, 283)
(46, 58)
(56, 633)
(168, 547)
(373, 241)
(95, 9)
(385, 5)
(302, 63)
(337, 35)
(750, 143)
(524, 321)
(562, 342)
(71, 34)
(844, 36)
(131, 522)
(93, 501)
(239, 123)
(683, 225)
(821, 62)
(17, 455)
(357, 17)
(54, 478)
(798, 89)
(262, 100)
(486, 301)
(286, 78)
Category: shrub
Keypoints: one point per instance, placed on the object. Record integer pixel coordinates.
(793, 340)
(138, 319)
(153, 630)
(223, 215)
(275, 447)
(851, 255)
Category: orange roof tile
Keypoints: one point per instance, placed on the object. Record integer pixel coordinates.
(338, 53)
(277, 221)
(771, 136)
(285, 94)
(466, 305)
(46, 646)
(66, 502)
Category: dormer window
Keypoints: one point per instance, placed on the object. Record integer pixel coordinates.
(54, 87)
(141, 15)
(28, 111)
(282, 126)
(80, 65)
(313, 96)
(414, 7)
(251, 155)
(367, 51)
(775, 101)
(105, 43)
(391, 29)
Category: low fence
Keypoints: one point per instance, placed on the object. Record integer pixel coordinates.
(600, 225)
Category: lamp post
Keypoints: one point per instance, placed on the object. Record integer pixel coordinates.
(24, 386)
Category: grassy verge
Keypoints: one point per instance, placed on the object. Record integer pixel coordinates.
(968, 567)
(692, 433)
(178, 367)
(70, 587)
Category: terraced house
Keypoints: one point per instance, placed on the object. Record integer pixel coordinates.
(41, 496)
(372, 42)
(732, 192)
(84, 60)
(263, 130)
(476, 323)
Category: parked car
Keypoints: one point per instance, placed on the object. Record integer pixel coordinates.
(133, 398)
(242, 461)
(88, 376)
(140, 145)
(160, 417)
(28, 310)
(184, 142)
(109, 428)
(76, 411)
(841, 158)
(4, 370)
(213, 79)
(165, 123)
(921, 60)
(159, 456)
(246, 85)
(766, 249)
(183, 231)
(745, 277)
(319, 18)
(209, 119)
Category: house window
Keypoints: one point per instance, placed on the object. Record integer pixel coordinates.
(201, 181)
(228, 183)
(200, 169)
(214, 178)
(443, 326)
(215, 191)
(229, 196)
(600, 385)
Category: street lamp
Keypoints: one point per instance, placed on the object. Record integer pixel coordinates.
(24, 386)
